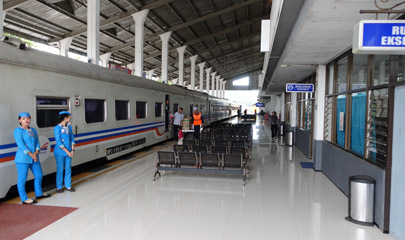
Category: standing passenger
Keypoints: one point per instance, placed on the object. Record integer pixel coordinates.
(177, 122)
(27, 158)
(64, 151)
(197, 122)
(274, 125)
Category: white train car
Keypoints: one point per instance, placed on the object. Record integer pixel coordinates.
(113, 113)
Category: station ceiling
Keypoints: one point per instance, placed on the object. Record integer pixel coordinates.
(314, 32)
(223, 33)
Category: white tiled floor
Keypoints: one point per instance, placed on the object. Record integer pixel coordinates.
(280, 201)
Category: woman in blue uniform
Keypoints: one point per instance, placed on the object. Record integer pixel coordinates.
(27, 158)
(64, 151)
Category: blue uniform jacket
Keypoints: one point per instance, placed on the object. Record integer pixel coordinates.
(27, 142)
(64, 138)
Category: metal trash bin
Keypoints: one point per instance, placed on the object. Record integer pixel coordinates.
(361, 200)
(289, 138)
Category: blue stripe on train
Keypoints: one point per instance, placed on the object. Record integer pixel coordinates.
(12, 145)
(111, 135)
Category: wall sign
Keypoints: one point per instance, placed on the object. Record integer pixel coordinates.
(299, 87)
(260, 104)
(379, 37)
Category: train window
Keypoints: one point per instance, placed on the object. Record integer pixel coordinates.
(158, 109)
(121, 110)
(140, 110)
(94, 110)
(48, 109)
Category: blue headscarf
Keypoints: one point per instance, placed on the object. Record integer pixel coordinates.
(65, 112)
(24, 114)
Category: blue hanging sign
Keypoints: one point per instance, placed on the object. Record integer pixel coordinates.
(299, 87)
(379, 37)
(259, 104)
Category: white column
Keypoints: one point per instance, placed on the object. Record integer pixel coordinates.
(193, 59)
(64, 46)
(282, 107)
(165, 37)
(319, 116)
(201, 66)
(213, 83)
(139, 19)
(217, 86)
(2, 16)
(181, 50)
(223, 89)
(105, 58)
(150, 73)
(207, 87)
(293, 109)
(220, 88)
(93, 30)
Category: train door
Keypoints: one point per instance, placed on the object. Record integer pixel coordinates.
(191, 109)
(167, 112)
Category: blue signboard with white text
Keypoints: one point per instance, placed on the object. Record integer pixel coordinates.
(259, 104)
(379, 37)
(299, 87)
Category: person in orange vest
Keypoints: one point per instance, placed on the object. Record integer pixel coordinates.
(197, 122)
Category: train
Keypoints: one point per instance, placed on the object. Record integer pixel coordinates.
(113, 113)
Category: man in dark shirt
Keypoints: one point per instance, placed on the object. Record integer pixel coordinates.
(274, 124)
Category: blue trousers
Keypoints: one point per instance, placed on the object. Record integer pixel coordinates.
(22, 173)
(63, 162)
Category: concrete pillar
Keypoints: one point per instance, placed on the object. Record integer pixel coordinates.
(181, 50)
(165, 37)
(2, 16)
(282, 106)
(293, 109)
(207, 87)
(139, 19)
(220, 88)
(213, 83)
(217, 86)
(93, 31)
(193, 59)
(64, 46)
(319, 116)
(223, 89)
(105, 58)
(201, 66)
(150, 73)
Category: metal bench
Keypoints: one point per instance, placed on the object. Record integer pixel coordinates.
(230, 164)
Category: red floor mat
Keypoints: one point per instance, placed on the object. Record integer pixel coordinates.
(19, 221)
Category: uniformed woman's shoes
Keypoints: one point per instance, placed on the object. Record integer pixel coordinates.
(71, 189)
(59, 190)
(45, 195)
(29, 202)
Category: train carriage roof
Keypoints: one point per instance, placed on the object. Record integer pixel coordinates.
(32, 58)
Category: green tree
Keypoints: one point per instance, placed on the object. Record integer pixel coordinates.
(29, 43)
